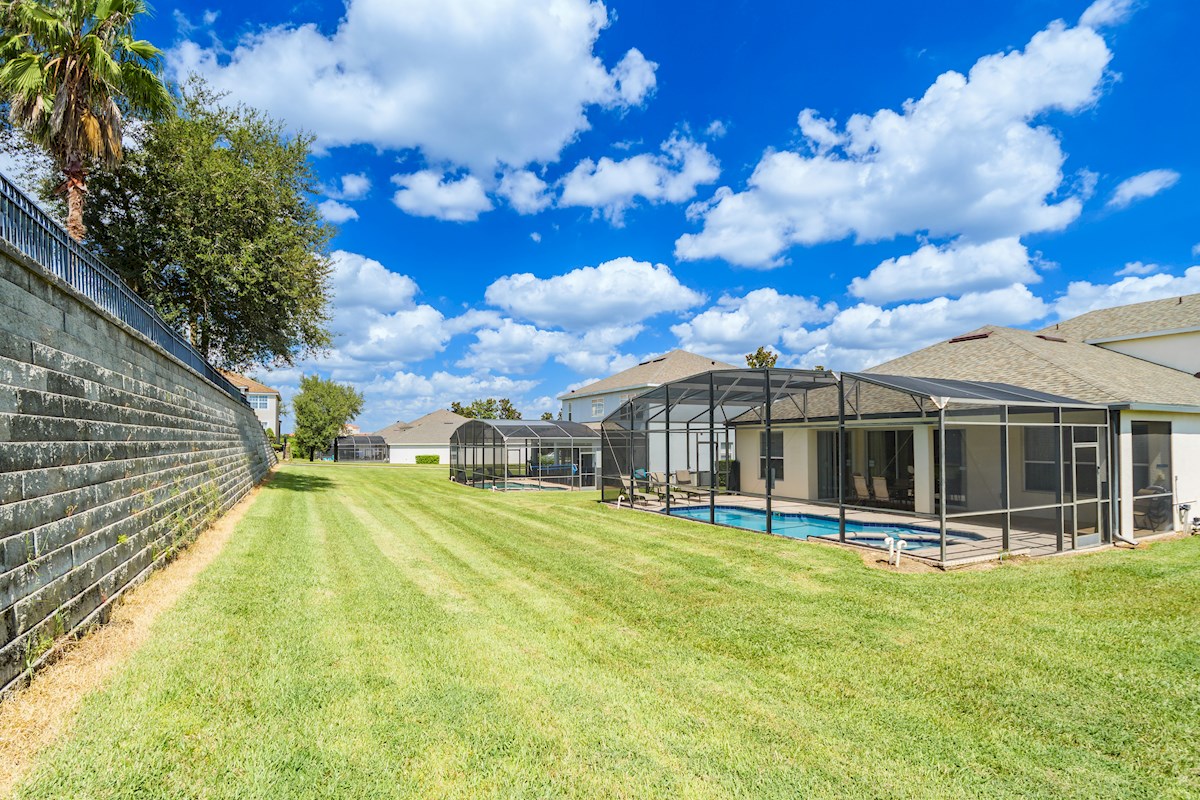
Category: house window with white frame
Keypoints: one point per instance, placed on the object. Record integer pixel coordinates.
(776, 454)
(597, 407)
(259, 402)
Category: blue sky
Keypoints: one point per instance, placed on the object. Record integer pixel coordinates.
(531, 194)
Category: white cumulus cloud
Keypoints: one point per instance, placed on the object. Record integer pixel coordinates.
(617, 292)
(952, 269)
(734, 326)
(351, 186)
(967, 158)
(475, 83)
(515, 347)
(615, 186)
(404, 395)
(1139, 187)
(1138, 268)
(1084, 296)
(1106, 13)
(430, 194)
(525, 191)
(336, 212)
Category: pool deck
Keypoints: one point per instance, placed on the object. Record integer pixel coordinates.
(959, 553)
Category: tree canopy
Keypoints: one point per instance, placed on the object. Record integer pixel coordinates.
(488, 408)
(322, 409)
(70, 73)
(760, 358)
(210, 219)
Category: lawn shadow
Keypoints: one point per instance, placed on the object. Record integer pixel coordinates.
(299, 482)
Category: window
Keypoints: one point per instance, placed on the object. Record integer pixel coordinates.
(1041, 460)
(598, 407)
(776, 454)
(261, 402)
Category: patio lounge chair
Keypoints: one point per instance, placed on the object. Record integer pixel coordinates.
(657, 483)
(686, 483)
(879, 484)
(860, 489)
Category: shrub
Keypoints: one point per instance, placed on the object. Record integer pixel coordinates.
(429, 459)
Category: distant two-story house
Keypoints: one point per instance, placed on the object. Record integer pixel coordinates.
(263, 399)
(590, 404)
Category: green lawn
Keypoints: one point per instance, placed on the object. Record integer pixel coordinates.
(381, 632)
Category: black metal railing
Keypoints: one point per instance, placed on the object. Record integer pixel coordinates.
(29, 230)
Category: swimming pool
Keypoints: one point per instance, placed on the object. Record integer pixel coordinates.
(802, 526)
(513, 486)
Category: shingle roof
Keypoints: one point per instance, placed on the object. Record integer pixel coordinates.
(248, 384)
(432, 429)
(1035, 361)
(1172, 313)
(655, 372)
(395, 428)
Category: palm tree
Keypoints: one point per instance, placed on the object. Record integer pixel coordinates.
(70, 70)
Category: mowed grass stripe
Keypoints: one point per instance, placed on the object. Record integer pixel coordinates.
(378, 632)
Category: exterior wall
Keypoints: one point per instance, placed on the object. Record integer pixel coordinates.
(799, 462)
(1185, 461)
(1177, 350)
(579, 409)
(112, 456)
(407, 453)
(268, 417)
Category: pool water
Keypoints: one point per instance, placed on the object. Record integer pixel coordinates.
(512, 486)
(802, 526)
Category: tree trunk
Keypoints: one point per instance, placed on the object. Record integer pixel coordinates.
(75, 187)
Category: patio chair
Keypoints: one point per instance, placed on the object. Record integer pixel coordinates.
(657, 483)
(1150, 514)
(860, 488)
(682, 482)
(880, 487)
(689, 484)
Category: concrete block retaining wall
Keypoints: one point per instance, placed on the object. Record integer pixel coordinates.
(112, 456)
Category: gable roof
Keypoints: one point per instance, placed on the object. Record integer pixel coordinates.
(1049, 363)
(1169, 314)
(431, 429)
(665, 368)
(248, 384)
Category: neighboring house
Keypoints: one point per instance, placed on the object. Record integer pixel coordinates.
(1137, 362)
(263, 399)
(427, 436)
(592, 403)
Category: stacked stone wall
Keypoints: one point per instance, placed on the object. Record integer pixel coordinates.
(113, 455)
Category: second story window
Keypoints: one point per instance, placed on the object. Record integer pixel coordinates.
(259, 402)
(598, 407)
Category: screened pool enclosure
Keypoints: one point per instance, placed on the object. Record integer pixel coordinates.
(517, 455)
(958, 470)
(360, 447)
